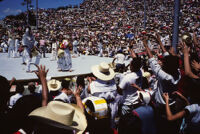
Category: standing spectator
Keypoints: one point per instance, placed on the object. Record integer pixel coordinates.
(130, 96)
(104, 86)
(119, 60)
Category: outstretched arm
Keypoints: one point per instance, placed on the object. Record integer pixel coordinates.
(170, 116)
(147, 48)
(188, 71)
(41, 73)
(78, 98)
(160, 43)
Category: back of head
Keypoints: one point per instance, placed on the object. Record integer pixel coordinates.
(65, 84)
(171, 65)
(4, 92)
(136, 64)
(19, 88)
(80, 81)
(31, 87)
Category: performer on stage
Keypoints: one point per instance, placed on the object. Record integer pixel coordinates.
(75, 44)
(64, 57)
(54, 49)
(30, 49)
(11, 46)
(17, 45)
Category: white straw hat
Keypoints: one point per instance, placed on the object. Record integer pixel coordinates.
(103, 71)
(144, 96)
(54, 85)
(146, 74)
(61, 115)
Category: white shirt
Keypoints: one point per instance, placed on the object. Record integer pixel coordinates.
(13, 99)
(166, 83)
(193, 119)
(54, 46)
(130, 95)
(120, 58)
(64, 97)
(11, 42)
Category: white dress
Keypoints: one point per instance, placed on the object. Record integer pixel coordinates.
(65, 62)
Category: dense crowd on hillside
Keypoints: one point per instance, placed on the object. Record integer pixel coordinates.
(156, 93)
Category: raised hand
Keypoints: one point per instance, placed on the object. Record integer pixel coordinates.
(41, 72)
(166, 97)
(195, 65)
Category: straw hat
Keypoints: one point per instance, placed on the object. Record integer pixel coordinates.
(100, 110)
(144, 96)
(61, 115)
(146, 74)
(103, 71)
(54, 85)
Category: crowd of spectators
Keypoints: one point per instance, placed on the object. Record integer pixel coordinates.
(156, 93)
(111, 23)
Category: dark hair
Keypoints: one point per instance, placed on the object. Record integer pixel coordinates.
(80, 81)
(136, 64)
(171, 65)
(65, 84)
(19, 88)
(145, 83)
(31, 87)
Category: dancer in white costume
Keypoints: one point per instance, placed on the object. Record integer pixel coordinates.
(11, 47)
(64, 57)
(75, 44)
(54, 49)
(28, 42)
(17, 44)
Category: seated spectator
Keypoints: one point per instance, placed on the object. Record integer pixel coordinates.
(19, 94)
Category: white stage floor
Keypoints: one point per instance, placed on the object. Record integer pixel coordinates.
(12, 67)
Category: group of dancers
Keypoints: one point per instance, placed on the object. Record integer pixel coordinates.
(60, 52)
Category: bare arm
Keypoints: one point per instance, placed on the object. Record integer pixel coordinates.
(147, 49)
(132, 53)
(137, 87)
(160, 43)
(78, 98)
(188, 71)
(42, 72)
(170, 116)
